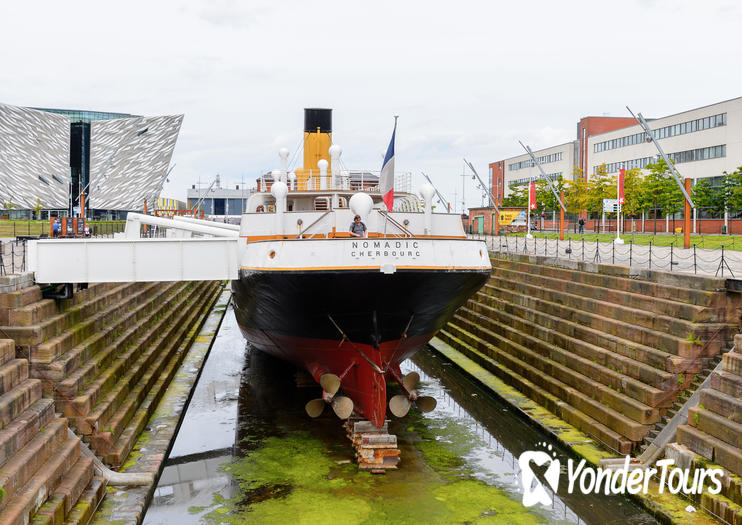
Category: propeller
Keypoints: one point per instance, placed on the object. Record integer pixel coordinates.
(410, 381)
(399, 405)
(330, 383)
(342, 406)
(426, 403)
(315, 407)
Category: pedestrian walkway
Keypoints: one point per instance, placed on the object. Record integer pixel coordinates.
(700, 261)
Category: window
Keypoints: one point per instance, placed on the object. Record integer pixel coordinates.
(690, 126)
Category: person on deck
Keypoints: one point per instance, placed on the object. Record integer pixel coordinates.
(581, 222)
(357, 228)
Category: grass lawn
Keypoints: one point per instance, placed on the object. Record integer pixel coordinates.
(730, 242)
(13, 228)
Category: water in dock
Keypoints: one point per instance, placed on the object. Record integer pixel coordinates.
(247, 452)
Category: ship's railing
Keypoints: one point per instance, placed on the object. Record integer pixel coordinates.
(305, 230)
(389, 220)
(362, 180)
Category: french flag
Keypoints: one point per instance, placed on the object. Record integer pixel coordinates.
(386, 180)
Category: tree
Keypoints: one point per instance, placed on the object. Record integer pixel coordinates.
(600, 186)
(37, 208)
(632, 190)
(518, 197)
(545, 197)
(708, 197)
(732, 189)
(667, 194)
(576, 192)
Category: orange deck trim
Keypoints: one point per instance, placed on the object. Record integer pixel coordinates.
(324, 268)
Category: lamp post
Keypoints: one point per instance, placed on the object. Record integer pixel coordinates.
(81, 196)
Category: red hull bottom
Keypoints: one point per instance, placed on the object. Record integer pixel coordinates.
(362, 368)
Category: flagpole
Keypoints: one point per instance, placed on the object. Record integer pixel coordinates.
(386, 215)
(619, 189)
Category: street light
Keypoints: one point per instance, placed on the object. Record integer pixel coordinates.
(104, 174)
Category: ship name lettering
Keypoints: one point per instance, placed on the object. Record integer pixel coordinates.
(365, 244)
(354, 245)
(417, 254)
(397, 244)
(378, 254)
(414, 245)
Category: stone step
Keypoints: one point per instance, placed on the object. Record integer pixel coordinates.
(24, 427)
(650, 356)
(81, 297)
(89, 500)
(715, 425)
(723, 404)
(722, 508)
(117, 416)
(113, 415)
(70, 323)
(100, 398)
(684, 288)
(51, 512)
(7, 350)
(727, 382)
(96, 313)
(615, 366)
(732, 362)
(17, 471)
(559, 408)
(606, 415)
(31, 314)
(711, 448)
(96, 364)
(650, 320)
(29, 499)
(639, 335)
(20, 298)
(19, 399)
(621, 298)
(75, 482)
(12, 374)
(623, 393)
(66, 364)
(127, 438)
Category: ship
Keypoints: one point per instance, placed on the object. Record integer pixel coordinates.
(349, 309)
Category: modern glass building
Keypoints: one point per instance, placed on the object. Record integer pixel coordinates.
(80, 145)
(49, 157)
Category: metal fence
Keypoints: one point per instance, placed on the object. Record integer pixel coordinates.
(13, 256)
(717, 262)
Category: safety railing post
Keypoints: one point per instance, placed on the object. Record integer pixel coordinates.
(695, 267)
(650, 255)
(613, 253)
(631, 250)
(671, 247)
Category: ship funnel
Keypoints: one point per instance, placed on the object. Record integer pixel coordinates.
(317, 141)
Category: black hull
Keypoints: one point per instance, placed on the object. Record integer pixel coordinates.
(368, 306)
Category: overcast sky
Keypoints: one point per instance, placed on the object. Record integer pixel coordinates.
(467, 79)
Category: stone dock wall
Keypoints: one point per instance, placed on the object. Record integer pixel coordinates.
(608, 351)
(97, 364)
(608, 354)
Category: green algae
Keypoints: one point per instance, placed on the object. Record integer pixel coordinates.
(294, 477)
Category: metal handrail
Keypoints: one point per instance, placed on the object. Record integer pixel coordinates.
(405, 231)
(304, 231)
